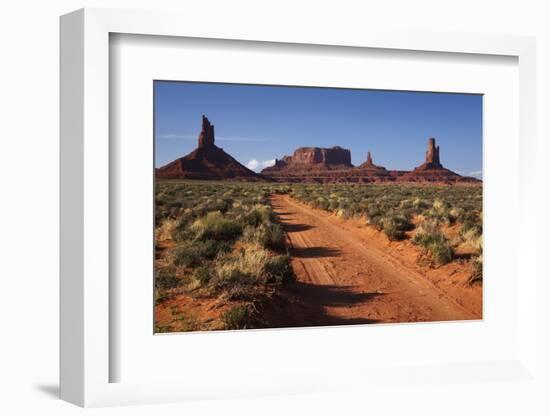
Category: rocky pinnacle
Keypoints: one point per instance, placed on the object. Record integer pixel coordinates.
(206, 137)
(432, 155)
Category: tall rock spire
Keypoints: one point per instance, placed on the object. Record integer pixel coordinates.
(432, 155)
(206, 137)
(369, 159)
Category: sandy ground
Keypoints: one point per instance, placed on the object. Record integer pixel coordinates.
(348, 272)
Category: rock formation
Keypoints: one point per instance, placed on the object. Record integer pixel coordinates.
(311, 162)
(433, 171)
(314, 157)
(207, 161)
(369, 164)
(206, 137)
(316, 165)
(432, 155)
(307, 164)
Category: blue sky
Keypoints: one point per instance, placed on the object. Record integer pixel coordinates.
(256, 124)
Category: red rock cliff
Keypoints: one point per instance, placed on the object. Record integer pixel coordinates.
(314, 157)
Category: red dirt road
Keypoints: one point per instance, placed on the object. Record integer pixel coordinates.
(345, 275)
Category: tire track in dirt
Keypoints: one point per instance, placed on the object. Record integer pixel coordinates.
(351, 280)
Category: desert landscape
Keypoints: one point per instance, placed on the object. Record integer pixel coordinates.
(313, 240)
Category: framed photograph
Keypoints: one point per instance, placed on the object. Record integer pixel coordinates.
(272, 212)
(255, 239)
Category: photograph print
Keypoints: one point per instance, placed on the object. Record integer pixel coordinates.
(289, 206)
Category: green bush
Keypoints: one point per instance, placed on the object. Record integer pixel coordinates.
(477, 275)
(215, 227)
(165, 278)
(193, 253)
(236, 317)
(279, 270)
(203, 274)
(259, 215)
(438, 246)
(395, 226)
(267, 235)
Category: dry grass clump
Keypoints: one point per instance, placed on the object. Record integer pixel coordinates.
(214, 226)
(477, 275)
(428, 235)
(165, 229)
(194, 253)
(268, 235)
(395, 226)
(237, 317)
(245, 274)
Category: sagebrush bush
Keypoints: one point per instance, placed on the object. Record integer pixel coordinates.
(438, 246)
(278, 269)
(477, 275)
(394, 226)
(267, 235)
(203, 274)
(165, 278)
(245, 267)
(215, 227)
(473, 239)
(236, 317)
(193, 253)
(260, 214)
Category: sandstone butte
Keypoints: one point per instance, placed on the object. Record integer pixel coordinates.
(307, 164)
(207, 162)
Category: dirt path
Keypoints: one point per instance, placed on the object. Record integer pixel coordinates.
(345, 277)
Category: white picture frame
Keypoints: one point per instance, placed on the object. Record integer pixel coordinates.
(85, 212)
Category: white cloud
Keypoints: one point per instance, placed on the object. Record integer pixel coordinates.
(476, 174)
(257, 166)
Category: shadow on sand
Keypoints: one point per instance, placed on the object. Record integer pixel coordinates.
(304, 304)
(294, 228)
(314, 252)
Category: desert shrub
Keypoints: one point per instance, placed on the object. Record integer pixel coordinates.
(439, 212)
(322, 203)
(473, 239)
(165, 229)
(190, 254)
(438, 246)
(181, 231)
(203, 274)
(375, 217)
(238, 273)
(236, 317)
(267, 235)
(477, 275)
(420, 204)
(454, 214)
(215, 227)
(275, 237)
(222, 205)
(242, 275)
(259, 215)
(394, 227)
(165, 278)
(471, 223)
(279, 270)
